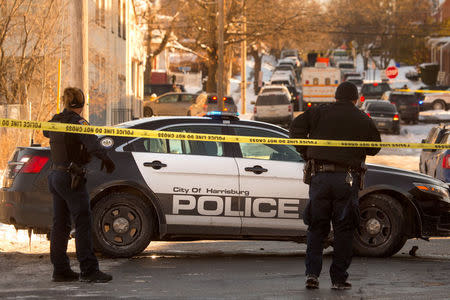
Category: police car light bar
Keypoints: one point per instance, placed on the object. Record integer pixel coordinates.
(222, 115)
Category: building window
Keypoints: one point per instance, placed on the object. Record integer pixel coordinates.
(133, 78)
(119, 16)
(100, 13)
(124, 21)
(111, 10)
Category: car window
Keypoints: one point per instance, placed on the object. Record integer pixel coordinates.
(273, 99)
(445, 139)
(266, 151)
(432, 135)
(381, 107)
(168, 98)
(181, 146)
(277, 90)
(187, 98)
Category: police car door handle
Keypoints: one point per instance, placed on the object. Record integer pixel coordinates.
(156, 164)
(256, 169)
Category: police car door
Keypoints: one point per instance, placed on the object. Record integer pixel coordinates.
(196, 182)
(271, 185)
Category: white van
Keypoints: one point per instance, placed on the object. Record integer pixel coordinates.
(319, 85)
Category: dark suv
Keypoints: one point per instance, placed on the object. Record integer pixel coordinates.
(372, 91)
(407, 105)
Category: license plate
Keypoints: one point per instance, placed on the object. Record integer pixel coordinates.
(403, 107)
(381, 124)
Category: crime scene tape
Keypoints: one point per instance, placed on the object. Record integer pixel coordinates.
(130, 132)
(423, 91)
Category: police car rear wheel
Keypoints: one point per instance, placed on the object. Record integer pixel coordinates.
(123, 225)
(381, 229)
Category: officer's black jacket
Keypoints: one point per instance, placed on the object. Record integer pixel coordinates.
(338, 121)
(71, 147)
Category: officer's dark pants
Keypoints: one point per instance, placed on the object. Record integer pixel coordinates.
(331, 199)
(69, 203)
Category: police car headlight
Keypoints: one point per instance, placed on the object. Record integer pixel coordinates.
(434, 189)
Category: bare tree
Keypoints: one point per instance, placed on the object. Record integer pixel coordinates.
(30, 36)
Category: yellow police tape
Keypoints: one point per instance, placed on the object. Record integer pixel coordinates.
(128, 132)
(423, 91)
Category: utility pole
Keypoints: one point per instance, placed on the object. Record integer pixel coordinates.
(243, 61)
(80, 50)
(220, 70)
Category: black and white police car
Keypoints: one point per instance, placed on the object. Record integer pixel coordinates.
(167, 189)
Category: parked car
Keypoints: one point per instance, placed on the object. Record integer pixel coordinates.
(436, 101)
(352, 74)
(442, 159)
(273, 108)
(384, 115)
(159, 89)
(358, 81)
(367, 102)
(282, 78)
(407, 105)
(208, 102)
(270, 89)
(169, 104)
(372, 91)
(427, 165)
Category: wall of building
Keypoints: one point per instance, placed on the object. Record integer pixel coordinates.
(116, 60)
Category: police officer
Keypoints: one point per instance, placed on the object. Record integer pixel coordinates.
(69, 153)
(335, 177)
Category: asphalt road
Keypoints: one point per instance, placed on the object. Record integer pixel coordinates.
(235, 270)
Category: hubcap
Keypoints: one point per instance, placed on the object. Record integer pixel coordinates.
(121, 225)
(373, 226)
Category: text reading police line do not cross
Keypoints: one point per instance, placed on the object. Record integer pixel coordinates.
(127, 132)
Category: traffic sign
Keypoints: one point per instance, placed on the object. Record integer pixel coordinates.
(391, 72)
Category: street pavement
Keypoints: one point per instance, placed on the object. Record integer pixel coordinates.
(235, 270)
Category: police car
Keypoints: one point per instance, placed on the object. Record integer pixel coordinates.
(168, 189)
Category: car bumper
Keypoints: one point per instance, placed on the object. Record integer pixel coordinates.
(386, 125)
(436, 226)
(26, 209)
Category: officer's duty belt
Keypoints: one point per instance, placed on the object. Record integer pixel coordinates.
(328, 167)
(60, 168)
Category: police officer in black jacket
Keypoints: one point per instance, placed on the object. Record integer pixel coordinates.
(335, 178)
(69, 153)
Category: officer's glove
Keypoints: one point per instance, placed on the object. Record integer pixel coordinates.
(108, 164)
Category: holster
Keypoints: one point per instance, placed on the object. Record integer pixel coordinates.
(308, 171)
(77, 175)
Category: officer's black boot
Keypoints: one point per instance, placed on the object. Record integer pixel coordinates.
(96, 276)
(65, 276)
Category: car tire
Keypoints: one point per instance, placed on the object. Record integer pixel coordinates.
(382, 226)
(123, 225)
(148, 112)
(439, 105)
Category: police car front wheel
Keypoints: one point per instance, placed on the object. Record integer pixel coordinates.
(381, 232)
(123, 225)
